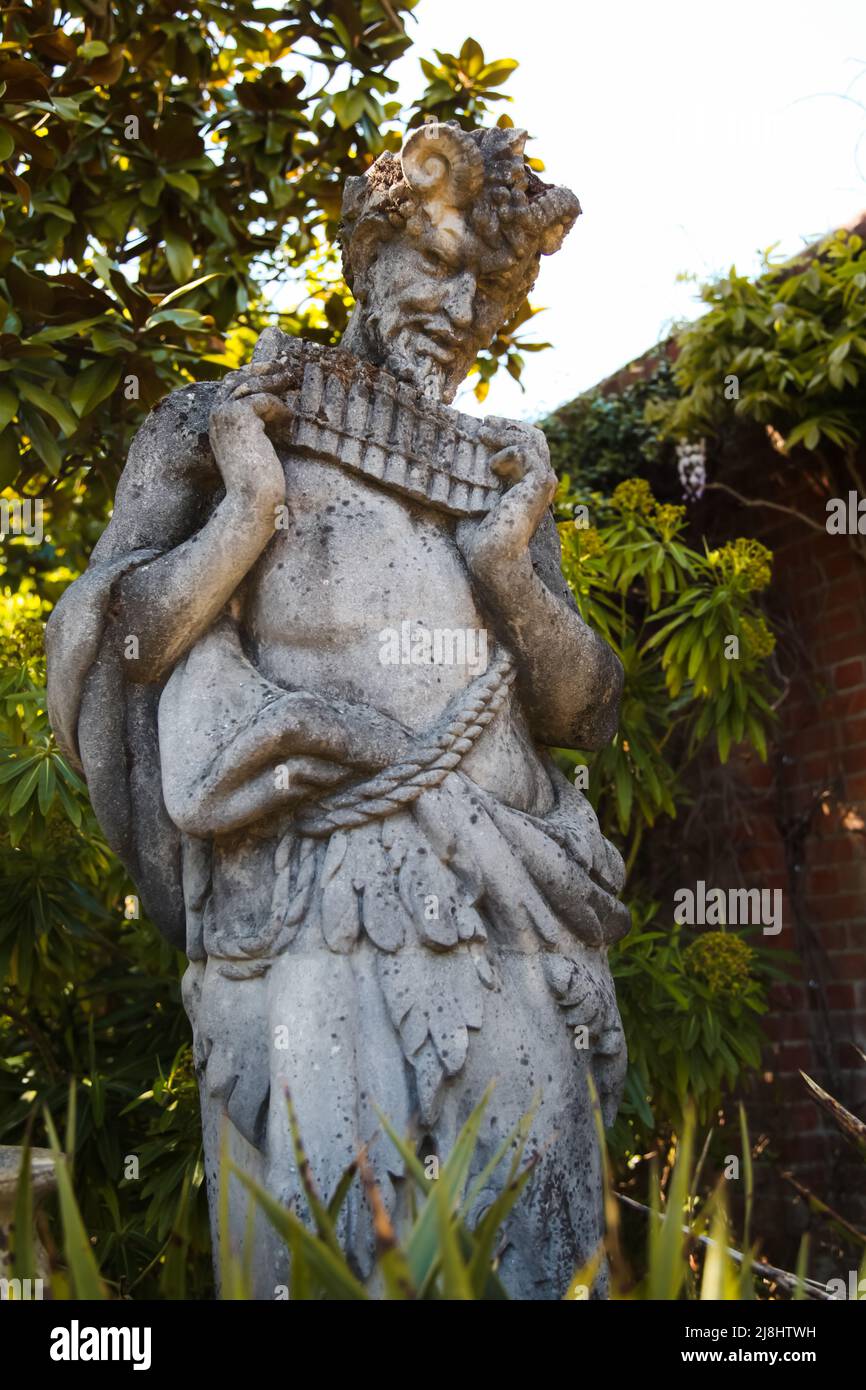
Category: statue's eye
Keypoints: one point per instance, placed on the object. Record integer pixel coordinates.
(490, 284)
(435, 261)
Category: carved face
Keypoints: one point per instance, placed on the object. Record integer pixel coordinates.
(434, 299)
(441, 246)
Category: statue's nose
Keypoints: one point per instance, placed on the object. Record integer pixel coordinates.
(459, 299)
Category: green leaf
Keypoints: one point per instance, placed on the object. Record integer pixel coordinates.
(336, 1277)
(24, 788)
(48, 209)
(23, 1246)
(83, 1269)
(93, 385)
(150, 192)
(348, 107)
(179, 255)
(493, 73)
(8, 405)
(50, 404)
(186, 182)
(456, 1283)
(9, 457)
(624, 793)
(59, 332)
(723, 741)
(185, 289)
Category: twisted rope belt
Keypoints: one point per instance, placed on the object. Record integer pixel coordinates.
(396, 787)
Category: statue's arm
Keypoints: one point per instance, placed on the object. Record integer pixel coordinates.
(570, 679)
(167, 501)
(314, 743)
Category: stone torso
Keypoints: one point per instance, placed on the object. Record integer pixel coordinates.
(350, 562)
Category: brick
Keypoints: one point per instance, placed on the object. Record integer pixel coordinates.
(826, 879)
(840, 996)
(834, 936)
(816, 767)
(845, 906)
(794, 1057)
(852, 878)
(762, 860)
(822, 910)
(837, 849)
(823, 882)
(828, 651)
(849, 965)
(849, 675)
(799, 1118)
(840, 563)
(824, 735)
(812, 1151)
(843, 621)
(787, 996)
(843, 705)
(760, 775)
(853, 759)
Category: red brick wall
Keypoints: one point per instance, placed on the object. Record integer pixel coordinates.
(807, 835)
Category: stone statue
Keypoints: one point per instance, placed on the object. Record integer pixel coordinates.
(311, 674)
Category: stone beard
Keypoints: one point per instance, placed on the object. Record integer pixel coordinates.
(388, 894)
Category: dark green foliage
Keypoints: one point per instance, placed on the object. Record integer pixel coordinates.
(602, 437)
(668, 609)
(164, 170)
(92, 996)
(795, 340)
(691, 1006)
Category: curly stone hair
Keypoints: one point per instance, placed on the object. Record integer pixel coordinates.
(515, 216)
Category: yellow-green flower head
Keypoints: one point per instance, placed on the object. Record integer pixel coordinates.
(757, 637)
(634, 495)
(668, 519)
(589, 541)
(746, 560)
(722, 960)
(22, 628)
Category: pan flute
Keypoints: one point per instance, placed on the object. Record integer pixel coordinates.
(358, 416)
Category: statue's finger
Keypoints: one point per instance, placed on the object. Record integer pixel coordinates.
(517, 516)
(272, 383)
(510, 463)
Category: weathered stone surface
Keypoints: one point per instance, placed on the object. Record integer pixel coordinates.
(310, 676)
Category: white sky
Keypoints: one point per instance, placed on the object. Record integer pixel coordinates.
(694, 134)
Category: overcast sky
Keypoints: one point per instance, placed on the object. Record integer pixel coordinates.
(694, 134)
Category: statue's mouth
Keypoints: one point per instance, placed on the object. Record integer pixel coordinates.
(443, 341)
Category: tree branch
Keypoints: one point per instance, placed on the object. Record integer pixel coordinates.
(773, 506)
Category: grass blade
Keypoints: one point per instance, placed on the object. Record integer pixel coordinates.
(83, 1269)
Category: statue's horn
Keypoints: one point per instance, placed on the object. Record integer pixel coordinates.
(554, 214)
(441, 158)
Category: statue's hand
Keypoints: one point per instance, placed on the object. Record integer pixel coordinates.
(246, 401)
(494, 545)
